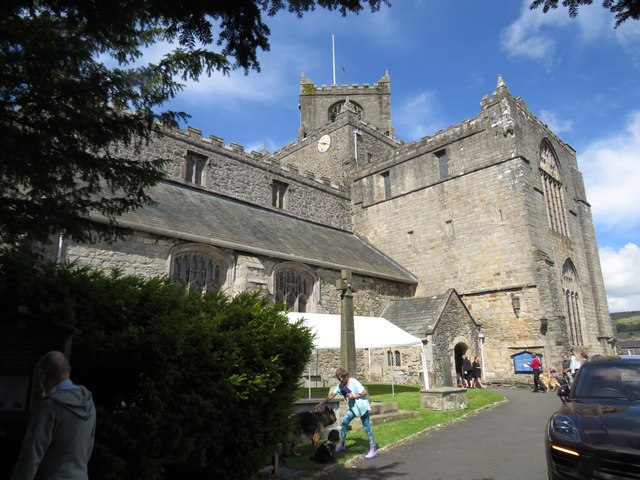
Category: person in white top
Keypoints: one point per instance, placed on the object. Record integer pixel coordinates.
(358, 405)
(575, 363)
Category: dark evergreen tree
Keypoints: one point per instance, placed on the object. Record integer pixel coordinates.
(185, 385)
(624, 9)
(71, 93)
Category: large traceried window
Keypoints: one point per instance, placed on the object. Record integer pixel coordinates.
(571, 290)
(295, 285)
(198, 267)
(340, 107)
(552, 189)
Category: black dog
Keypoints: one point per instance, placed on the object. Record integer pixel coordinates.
(326, 452)
(310, 425)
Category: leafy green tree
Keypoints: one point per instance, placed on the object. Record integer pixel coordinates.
(71, 93)
(185, 385)
(624, 9)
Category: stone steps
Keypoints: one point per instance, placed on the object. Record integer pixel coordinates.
(382, 412)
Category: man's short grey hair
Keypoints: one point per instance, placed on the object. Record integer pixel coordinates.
(54, 364)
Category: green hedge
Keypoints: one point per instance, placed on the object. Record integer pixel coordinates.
(184, 384)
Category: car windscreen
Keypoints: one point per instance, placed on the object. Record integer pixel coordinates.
(608, 380)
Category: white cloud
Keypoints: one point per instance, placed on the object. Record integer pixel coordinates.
(621, 272)
(593, 22)
(554, 123)
(418, 116)
(538, 35)
(294, 47)
(628, 35)
(268, 143)
(528, 35)
(611, 168)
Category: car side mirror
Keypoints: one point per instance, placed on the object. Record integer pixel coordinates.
(563, 392)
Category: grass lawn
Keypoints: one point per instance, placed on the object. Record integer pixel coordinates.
(408, 398)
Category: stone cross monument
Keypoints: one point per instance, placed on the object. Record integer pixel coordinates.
(347, 328)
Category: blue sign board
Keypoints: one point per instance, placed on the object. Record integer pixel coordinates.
(519, 360)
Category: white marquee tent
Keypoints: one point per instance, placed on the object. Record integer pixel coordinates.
(370, 332)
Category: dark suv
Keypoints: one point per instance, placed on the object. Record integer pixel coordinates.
(596, 432)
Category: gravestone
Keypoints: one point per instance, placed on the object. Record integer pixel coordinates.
(446, 371)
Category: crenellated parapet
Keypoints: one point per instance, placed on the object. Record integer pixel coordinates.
(454, 132)
(307, 87)
(320, 105)
(214, 145)
(512, 111)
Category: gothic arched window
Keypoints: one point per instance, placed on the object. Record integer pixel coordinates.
(198, 267)
(552, 189)
(389, 359)
(571, 290)
(398, 358)
(339, 107)
(294, 284)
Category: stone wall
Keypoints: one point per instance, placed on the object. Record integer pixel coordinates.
(372, 365)
(455, 326)
(483, 230)
(147, 255)
(232, 172)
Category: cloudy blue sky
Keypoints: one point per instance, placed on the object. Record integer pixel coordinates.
(580, 76)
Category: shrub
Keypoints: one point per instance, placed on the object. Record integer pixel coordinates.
(184, 384)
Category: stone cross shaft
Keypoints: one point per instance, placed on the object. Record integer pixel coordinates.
(347, 328)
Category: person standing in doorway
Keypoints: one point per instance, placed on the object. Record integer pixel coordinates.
(459, 374)
(536, 365)
(467, 372)
(357, 398)
(477, 372)
(60, 435)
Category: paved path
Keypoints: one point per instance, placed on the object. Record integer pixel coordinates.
(502, 443)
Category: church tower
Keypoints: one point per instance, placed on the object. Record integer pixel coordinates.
(321, 105)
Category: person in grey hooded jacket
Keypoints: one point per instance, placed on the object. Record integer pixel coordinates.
(60, 435)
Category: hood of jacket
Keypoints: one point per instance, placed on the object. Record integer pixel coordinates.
(77, 400)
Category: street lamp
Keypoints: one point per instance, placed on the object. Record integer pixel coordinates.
(481, 338)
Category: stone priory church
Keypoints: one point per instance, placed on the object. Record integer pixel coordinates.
(478, 239)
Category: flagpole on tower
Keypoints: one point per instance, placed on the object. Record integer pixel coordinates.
(333, 52)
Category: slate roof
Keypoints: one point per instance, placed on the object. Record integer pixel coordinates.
(194, 215)
(418, 316)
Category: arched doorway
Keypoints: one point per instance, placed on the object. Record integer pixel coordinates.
(458, 352)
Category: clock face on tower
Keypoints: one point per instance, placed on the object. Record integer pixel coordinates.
(324, 143)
